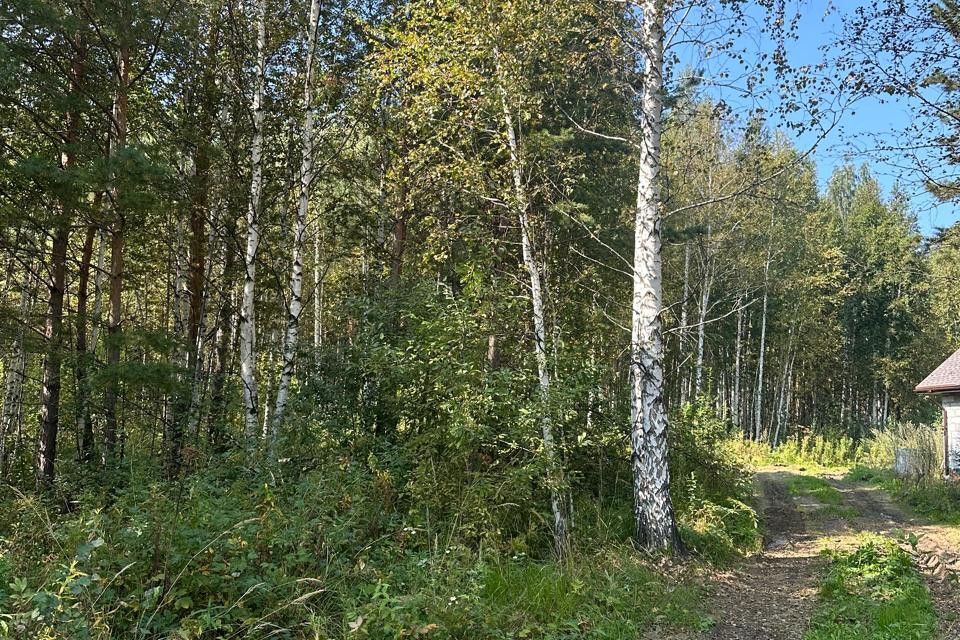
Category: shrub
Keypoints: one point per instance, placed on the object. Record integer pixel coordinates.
(712, 485)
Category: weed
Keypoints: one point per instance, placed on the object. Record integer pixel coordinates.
(873, 593)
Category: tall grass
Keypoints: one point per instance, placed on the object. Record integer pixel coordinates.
(804, 450)
(924, 442)
(878, 451)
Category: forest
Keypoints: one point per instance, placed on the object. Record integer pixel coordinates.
(477, 319)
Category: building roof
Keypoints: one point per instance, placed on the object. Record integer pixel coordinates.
(946, 377)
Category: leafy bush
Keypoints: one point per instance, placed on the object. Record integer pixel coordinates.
(712, 485)
(702, 449)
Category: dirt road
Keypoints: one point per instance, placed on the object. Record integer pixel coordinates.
(773, 595)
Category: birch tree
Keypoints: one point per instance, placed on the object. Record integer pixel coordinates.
(248, 327)
(521, 204)
(653, 508)
(300, 224)
(118, 142)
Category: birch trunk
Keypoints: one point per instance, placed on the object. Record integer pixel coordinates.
(114, 328)
(782, 398)
(299, 230)
(248, 329)
(14, 371)
(223, 339)
(317, 295)
(735, 399)
(684, 330)
(702, 321)
(758, 393)
(655, 522)
(555, 476)
(96, 318)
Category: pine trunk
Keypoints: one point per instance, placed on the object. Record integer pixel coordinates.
(84, 357)
(53, 328)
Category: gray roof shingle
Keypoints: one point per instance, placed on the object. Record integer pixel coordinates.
(946, 377)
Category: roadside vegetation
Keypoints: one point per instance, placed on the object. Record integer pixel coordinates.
(381, 544)
(873, 593)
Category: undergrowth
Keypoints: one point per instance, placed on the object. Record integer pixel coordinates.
(396, 543)
(873, 593)
(936, 499)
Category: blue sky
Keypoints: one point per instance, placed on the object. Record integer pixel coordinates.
(867, 122)
(864, 126)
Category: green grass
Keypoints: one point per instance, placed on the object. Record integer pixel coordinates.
(873, 593)
(597, 598)
(814, 487)
(935, 499)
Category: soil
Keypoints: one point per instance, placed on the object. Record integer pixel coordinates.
(772, 596)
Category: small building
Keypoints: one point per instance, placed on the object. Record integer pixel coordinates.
(944, 383)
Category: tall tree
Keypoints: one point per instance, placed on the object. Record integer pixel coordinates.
(295, 307)
(248, 326)
(655, 521)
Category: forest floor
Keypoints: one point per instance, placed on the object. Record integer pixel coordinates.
(772, 596)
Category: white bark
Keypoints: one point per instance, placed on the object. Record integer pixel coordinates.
(97, 315)
(758, 396)
(560, 525)
(14, 371)
(655, 523)
(684, 330)
(248, 329)
(783, 396)
(738, 349)
(702, 323)
(317, 295)
(299, 228)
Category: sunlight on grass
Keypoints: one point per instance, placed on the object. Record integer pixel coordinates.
(873, 593)
(817, 488)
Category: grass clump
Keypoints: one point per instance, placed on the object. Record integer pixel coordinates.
(873, 593)
(814, 487)
(836, 511)
(545, 601)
